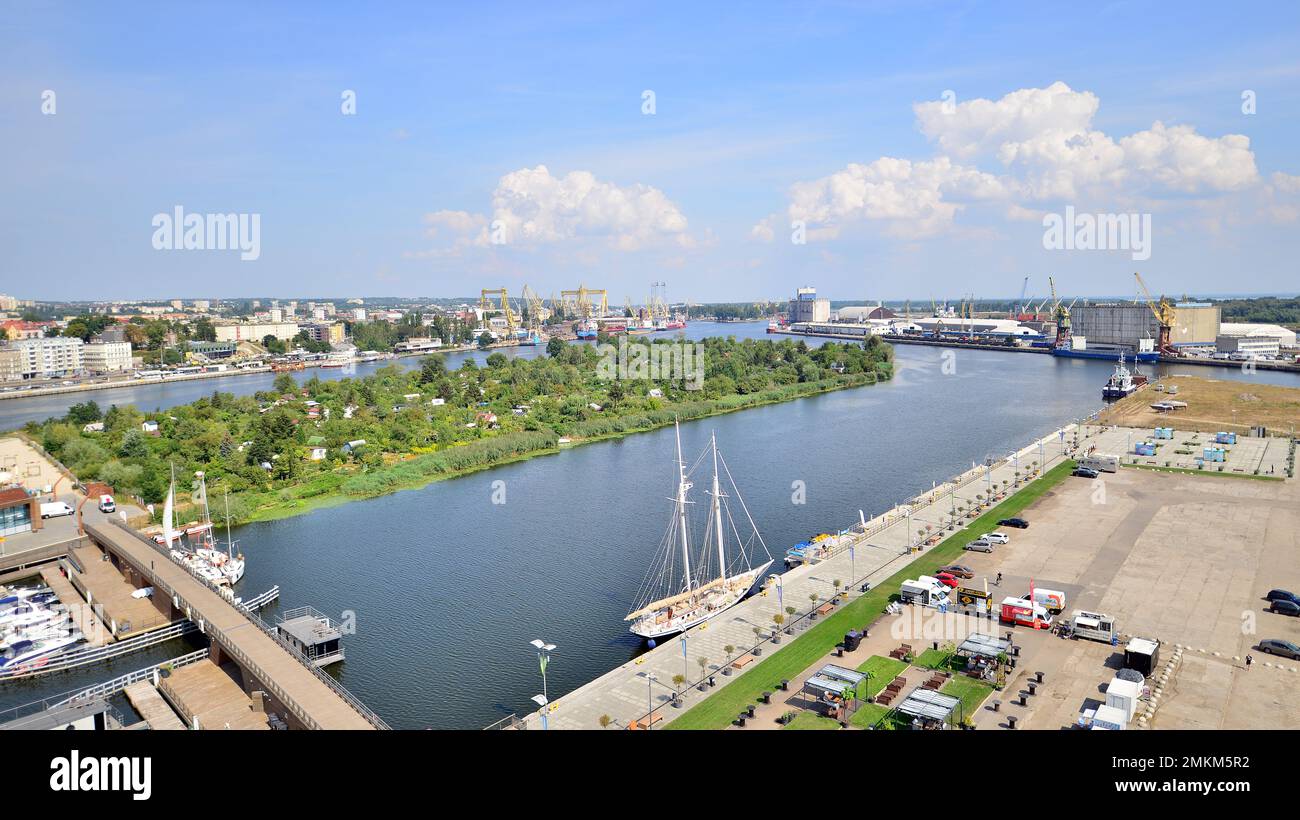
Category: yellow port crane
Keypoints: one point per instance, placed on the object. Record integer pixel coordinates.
(486, 305)
(1165, 316)
(535, 309)
(581, 300)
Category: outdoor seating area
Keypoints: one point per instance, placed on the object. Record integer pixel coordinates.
(892, 690)
(929, 709)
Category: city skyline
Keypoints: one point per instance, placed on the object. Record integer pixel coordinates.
(650, 150)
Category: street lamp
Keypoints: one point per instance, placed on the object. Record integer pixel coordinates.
(541, 701)
(650, 699)
(543, 660)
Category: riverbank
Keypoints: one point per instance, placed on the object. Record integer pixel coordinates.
(410, 473)
(718, 710)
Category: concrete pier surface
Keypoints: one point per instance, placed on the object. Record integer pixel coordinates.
(625, 694)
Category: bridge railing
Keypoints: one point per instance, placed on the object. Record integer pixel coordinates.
(235, 652)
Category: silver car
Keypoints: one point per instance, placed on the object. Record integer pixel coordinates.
(980, 545)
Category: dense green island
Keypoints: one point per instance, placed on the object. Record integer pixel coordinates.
(302, 446)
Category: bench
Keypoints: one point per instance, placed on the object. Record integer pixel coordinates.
(825, 608)
(742, 662)
(636, 724)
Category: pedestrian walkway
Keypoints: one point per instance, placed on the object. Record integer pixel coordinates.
(875, 552)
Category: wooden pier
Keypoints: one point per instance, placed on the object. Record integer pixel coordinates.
(306, 697)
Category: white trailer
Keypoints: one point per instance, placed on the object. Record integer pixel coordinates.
(1099, 461)
(1094, 626)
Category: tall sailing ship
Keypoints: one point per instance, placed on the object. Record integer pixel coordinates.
(709, 580)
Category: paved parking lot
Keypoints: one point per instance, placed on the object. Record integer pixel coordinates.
(1185, 559)
(1186, 450)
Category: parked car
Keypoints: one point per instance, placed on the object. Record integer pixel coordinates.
(958, 571)
(1284, 649)
(997, 538)
(948, 579)
(1085, 472)
(1018, 523)
(980, 545)
(1280, 607)
(1282, 595)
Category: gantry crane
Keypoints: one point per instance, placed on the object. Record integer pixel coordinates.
(1165, 317)
(486, 305)
(581, 300)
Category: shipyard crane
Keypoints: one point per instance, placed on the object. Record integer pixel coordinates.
(581, 299)
(1060, 315)
(486, 305)
(1165, 317)
(1019, 307)
(536, 310)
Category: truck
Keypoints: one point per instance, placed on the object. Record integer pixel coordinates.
(925, 591)
(1094, 626)
(54, 509)
(1052, 599)
(1100, 461)
(1022, 612)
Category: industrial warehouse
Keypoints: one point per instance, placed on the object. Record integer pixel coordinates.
(1143, 330)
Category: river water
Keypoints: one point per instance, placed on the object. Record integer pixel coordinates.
(447, 588)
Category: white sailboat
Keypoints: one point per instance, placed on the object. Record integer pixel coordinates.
(674, 599)
(228, 568)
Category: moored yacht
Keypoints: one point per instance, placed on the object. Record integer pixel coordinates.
(693, 597)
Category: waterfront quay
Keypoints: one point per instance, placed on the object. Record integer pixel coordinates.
(642, 692)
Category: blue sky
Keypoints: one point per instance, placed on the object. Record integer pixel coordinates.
(530, 119)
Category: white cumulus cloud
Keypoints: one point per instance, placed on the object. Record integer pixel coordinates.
(531, 206)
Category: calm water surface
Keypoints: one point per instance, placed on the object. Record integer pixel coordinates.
(447, 588)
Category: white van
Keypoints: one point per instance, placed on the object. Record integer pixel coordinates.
(107, 504)
(54, 509)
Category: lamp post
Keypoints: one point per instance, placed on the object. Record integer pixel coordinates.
(650, 699)
(686, 669)
(543, 660)
(780, 598)
(853, 575)
(541, 701)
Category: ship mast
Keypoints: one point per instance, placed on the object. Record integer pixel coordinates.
(682, 486)
(717, 510)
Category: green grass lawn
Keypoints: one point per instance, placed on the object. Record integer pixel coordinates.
(719, 709)
(971, 692)
(882, 671)
(1211, 471)
(869, 714)
(807, 720)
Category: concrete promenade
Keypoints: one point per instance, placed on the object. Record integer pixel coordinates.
(878, 551)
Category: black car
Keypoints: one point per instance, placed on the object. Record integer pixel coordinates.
(1085, 472)
(1285, 649)
(1282, 607)
(1282, 595)
(1018, 523)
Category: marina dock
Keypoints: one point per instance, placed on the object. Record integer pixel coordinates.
(293, 688)
(631, 699)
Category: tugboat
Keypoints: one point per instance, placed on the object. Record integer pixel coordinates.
(1120, 383)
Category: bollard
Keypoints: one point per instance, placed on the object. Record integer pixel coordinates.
(750, 710)
(767, 697)
(1024, 699)
(1033, 688)
(785, 684)
(1039, 676)
(935, 644)
(1011, 721)
(997, 706)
